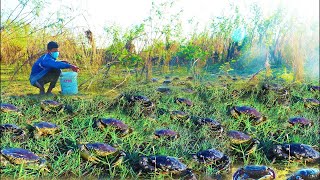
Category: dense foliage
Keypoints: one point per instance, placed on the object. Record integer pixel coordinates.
(233, 41)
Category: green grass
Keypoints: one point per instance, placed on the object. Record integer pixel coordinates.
(211, 99)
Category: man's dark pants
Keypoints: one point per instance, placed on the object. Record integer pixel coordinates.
(51, 77)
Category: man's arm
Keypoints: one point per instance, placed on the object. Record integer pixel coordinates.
(50, 63)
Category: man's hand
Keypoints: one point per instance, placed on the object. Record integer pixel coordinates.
(75, 68)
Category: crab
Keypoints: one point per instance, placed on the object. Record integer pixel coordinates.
(179, 115)
(276, 88)
(164, 89)
(9, 108)
(211, 123)
(300, 121)
(170, 134)
(279, 94)
(44, 129)
(154, 79)
(240, 140)
(118, 125)
(311, 103)
(165, 164)
(315, 88)
(140, 99)
(254, 172)
(295, 151)
(18, 156)
(12, 128)
(181, 83)
(93, 152)
(188, 90)
(147, 105)
(184, 101)
(254, 115)
(190, 78)
(165, 82)
(214, 158)
(51, 106)
(306, 174)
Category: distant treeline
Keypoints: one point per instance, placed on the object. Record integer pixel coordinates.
(231, 42)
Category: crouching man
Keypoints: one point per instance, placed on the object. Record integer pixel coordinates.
(47, 69)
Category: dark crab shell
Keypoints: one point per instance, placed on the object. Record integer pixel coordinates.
(45, 125)
(249, 111)
(211, 123)
(300, 121)
(185, 101)
(238, 137)
(19, 155)
(166, 81)
(180, 115)
(315, 88)
(93, 151)
(5, 107)
(162, 164)
(252, 112)
(213, 157)
(11, 128)
(311, 102)
(50, 103)
(166, 133)
(118, 125)
(45, 128)
(104, 122)
(295, 151)
(51, 106)
(190, 78)
(139, 99)
(101, 149)
(306, 174)
(275, 87)
(154, 79)
(163, 89)
(181, 83)
(242, 141)
(254, 172)
(188, 90)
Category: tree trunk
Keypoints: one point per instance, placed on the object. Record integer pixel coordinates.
(148, 68)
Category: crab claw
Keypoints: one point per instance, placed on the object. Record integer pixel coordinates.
(44, 166)
(237, 174)
(188, 175)
(119, 159)
(194, 156)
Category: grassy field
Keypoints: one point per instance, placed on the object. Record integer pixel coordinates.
(211, 98)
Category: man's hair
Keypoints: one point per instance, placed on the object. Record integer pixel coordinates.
(52, 45)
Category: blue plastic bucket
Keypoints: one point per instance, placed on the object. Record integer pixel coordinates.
(68, 83)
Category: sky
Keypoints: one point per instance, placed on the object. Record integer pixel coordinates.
(96, 14)
(129, 12)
